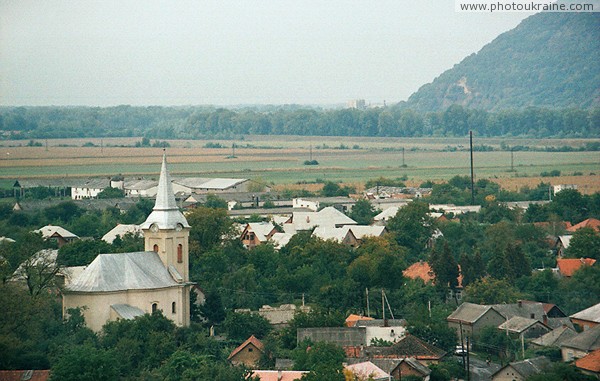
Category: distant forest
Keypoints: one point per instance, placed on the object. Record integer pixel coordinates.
(214, 123)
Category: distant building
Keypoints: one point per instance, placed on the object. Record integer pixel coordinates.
(561, 187)
(359, 104)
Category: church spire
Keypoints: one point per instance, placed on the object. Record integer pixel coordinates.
(165, 214)
(165, 198)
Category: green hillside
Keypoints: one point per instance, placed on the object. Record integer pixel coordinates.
(550, 60)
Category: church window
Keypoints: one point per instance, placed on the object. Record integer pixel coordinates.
(173, 308)
(179, 253)
(155, 248)
(154, 307)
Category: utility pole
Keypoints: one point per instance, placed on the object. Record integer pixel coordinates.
(472, 175)
(468, 361)
(403, 163)
(310, 153)
(512, 160)
(368, 309)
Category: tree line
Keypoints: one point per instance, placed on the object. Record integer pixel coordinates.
(211, 122)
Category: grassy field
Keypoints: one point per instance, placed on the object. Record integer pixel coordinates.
(279, 160)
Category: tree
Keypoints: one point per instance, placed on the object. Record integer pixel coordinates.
(444, 266)
(240, 326)
(209, 226)
(63, 212)
(412, 227)
(81, 252)
(491, 291)
(323, 360)
(212, 309)
(85, 363)
(561, 372)
(214, 201)
(111, 193)
(363, 212)
(585, 243)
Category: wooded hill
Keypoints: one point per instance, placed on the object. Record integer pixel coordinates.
(550, 60)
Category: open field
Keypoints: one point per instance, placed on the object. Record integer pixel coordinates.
(279, 160)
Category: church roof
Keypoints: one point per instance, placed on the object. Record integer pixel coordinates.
(123, 271)
(125, 311)
(165, 214)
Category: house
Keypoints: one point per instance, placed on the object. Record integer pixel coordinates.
(326, 217)
(278, 317)
(547, 313)
(562, 244)
(521, 370)
(120, 231)
(278, 375)
(140, 188)
(590, 364)
(361, 232)
(410, 367)
(589, 223)
(582, 344)
(383, 217)
(340, 235)
(308, 204)
(405, 347)
(366, 371)
(24, 375)
(57, 234)
(472, 318)
(554, 338)
(256, 233)
(568, 266)
(126, 285)
(362, 334)
(525, 327)
(248, 353)
(588, 318)
(90, 189)
(281, 239)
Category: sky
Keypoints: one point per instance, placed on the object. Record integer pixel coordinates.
(231, 52)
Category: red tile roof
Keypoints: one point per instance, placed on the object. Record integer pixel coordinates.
(589, 223)
(251, 340)
(18, 375)
(591, 362)
(352, 319)
(423, 271)
(568, 266)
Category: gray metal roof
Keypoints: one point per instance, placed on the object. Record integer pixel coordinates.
(208, 183)
(125, 311)
(517, 324)
(532, 366)
(469, 312)
(589, 314)
(555, 337)
(165, 214)
(588, 340)
(124, 271)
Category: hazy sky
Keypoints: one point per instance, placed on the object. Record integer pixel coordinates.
(228, 52)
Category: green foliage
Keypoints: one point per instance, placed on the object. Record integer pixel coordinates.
(383, 181)
(444, 266)
(331, 189)
(495, 342)
(214, 201)
(212, 310)
(81, 252)
(85, 363)
(317, 317)
(209, 225)
(311, 162)
(363, 212)
(111, 193)
(323, 360)
(584, 244)
(492, 291)
(446, 371)
(240, 326)
(412, 227)
(64, 212)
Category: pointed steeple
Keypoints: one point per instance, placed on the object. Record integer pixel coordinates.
(165, 214)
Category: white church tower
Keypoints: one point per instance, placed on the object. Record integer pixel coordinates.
(126, 285)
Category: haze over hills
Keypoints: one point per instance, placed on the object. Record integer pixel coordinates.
(550, 60)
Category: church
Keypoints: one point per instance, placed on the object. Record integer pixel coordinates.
(126, 285)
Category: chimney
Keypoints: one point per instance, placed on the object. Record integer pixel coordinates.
(545, 319)
(520, 303)
(279, 375)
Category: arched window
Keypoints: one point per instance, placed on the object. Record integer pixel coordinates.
(155, 248)
(173, 308)
(179, 253)
(154, 307)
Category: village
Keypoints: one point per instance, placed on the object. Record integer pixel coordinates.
(380, 285)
